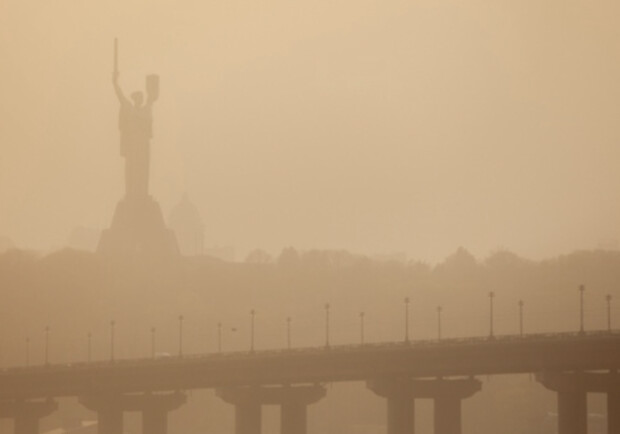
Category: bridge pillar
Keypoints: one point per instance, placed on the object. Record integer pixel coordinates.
(294, 407)
(27, 414)
(293, 402)
(154, 408)
(572, 400)
(400, 403)
(109, 412)
(613, 411)
(572, 388)
(447, 395)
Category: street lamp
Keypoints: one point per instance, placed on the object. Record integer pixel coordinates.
(180, 335)
(582, 289)
(326, 325)
(521, 318)
(406, 319)
(288, 332)
(252, 316)
(219, 337)
(491, 296)
(439, 322)
(608, 299)
(362, 327)
(152, 342)
(112, 324)
(88, 347)
(47, 344)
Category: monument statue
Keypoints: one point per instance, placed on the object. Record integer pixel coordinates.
(138, 226)
(135, 122)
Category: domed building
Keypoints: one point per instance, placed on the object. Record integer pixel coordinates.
(188, 227)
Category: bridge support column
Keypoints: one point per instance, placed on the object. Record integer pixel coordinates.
(26, 414)
(572, 412)
(613, 411)
(447, 416)
(293, 402)
(572, 400)
(110, 420)
(248, 417)
(154, 408)
(293, 418)
(400, 403)
(109, 412)
(294, 407)
(447, 394)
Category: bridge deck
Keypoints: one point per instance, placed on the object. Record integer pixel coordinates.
(446, 357)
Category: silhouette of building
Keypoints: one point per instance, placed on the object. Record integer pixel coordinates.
(186, 222)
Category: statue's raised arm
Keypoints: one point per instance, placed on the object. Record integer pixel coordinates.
(117, 89)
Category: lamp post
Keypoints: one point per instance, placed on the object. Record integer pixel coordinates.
(47, 344)
(362, 315)
(406, 319)
(181, 335)
(608, 300)
(288, 332)
(326, 325)
(252, 315)
(491, 297)
(582, 289)
(521, 318)
(219, 337)
(112, 325)
(152, 342)
(88, 347)
(439, 322)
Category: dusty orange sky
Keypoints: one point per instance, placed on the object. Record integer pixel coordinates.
(374, 126)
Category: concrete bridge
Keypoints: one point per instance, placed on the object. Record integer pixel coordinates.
(570, 364)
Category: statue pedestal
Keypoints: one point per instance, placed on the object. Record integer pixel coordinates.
(138, 228)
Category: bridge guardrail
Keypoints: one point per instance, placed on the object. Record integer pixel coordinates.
(318, 350)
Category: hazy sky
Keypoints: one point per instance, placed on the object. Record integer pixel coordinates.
(374, 126)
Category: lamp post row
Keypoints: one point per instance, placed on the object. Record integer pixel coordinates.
(327, 307)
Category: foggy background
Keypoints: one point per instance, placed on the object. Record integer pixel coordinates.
(342, 128)
(373, 126)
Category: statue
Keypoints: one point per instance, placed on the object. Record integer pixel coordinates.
(135, 124)
(138, 226)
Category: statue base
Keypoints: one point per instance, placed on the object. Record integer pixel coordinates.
(138, 229)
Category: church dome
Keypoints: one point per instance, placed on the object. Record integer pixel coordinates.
(186, 222)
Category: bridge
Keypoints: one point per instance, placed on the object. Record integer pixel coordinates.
(570, 364)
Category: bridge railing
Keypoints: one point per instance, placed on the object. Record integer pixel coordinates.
(335, 349)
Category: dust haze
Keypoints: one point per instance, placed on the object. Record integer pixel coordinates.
(312, 209)
(376, 127)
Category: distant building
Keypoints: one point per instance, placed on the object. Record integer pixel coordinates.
(188, 227)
